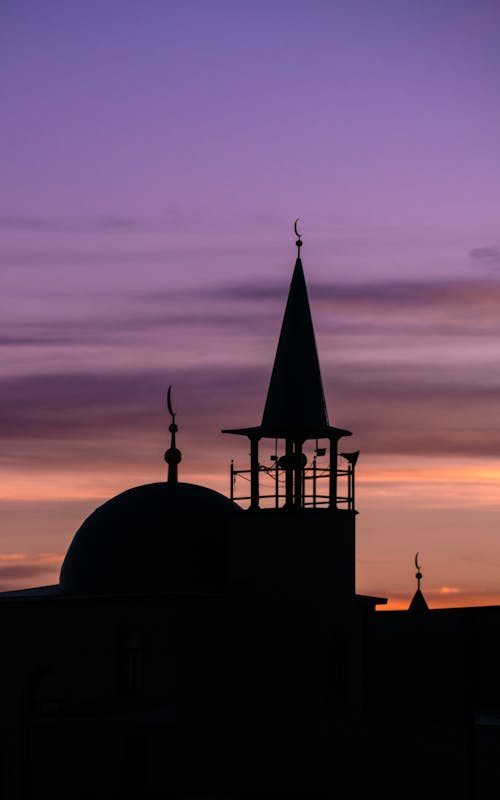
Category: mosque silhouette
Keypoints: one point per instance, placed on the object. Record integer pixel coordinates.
(206, 647)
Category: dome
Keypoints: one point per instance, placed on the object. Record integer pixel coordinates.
(158, 537)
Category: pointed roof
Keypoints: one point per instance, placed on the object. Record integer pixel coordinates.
(295, 404)
(418, 603)
(295, 398)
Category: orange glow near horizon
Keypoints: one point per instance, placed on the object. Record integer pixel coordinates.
(378, 478)
(437, 600)
(15, 566)
(52, 503)
(466, 481)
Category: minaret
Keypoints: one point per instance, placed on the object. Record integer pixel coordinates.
(295, 412)
(293, 550)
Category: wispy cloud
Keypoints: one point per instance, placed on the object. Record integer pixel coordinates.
(488, 256)
(113, 329)
(26, 223)
(386, 293)
(389, 411)
(21, 569)
(404, 382)
(59, 406)
(467, 308)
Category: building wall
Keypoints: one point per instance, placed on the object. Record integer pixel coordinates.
(288, 691)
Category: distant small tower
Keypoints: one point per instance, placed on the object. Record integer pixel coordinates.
(294, 413)
(173, 456)
(418, 603)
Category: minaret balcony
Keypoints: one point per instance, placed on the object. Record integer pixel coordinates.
(315, 480)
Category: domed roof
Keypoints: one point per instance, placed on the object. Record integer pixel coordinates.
(158, 537)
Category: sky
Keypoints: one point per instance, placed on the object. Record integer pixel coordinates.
(154, 157)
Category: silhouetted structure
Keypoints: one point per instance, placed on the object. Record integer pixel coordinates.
(193, 649)
(418, 603)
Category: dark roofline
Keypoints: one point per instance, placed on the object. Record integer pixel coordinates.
(57, 594)
(261, 432)
(36, 591)
(368, 599)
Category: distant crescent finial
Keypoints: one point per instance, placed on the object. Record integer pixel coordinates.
(419, 574)
(299, 237)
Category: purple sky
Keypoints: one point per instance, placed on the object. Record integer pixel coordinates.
(154, 158)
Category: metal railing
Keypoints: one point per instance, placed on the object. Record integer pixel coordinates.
(315, 479)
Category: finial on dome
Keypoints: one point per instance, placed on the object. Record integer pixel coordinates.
(299, 237)
(173, 456)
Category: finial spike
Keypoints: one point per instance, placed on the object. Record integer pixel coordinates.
(299, 237)
(169, 403)
(173, 456)
(418, 573)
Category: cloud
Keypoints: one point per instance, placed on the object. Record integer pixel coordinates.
(393, 309)
(18, 568)
(26, 223)
(387, 293)
(23, 223)
(487, 256)
(434, 394)
(62, 406)
(389, 411)
(115, 329)
(427, 410)
(104, 259)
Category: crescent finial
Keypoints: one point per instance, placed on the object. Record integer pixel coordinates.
(169, 402)
(419, 573)
(173, 456)
(299, 237)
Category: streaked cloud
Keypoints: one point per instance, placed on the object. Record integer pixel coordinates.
(486, 256)
(82, 418)
(69, 333)
(26, 223)
(431, 308)
(22, 569)
(371, 295)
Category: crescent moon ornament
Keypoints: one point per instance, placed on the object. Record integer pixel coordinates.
(418, 574)
(299, 237)
(169, 402)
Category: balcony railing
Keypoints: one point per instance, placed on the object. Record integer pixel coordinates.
(314, 490)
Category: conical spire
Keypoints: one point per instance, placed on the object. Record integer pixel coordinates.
(295, 398)
(295, 407)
